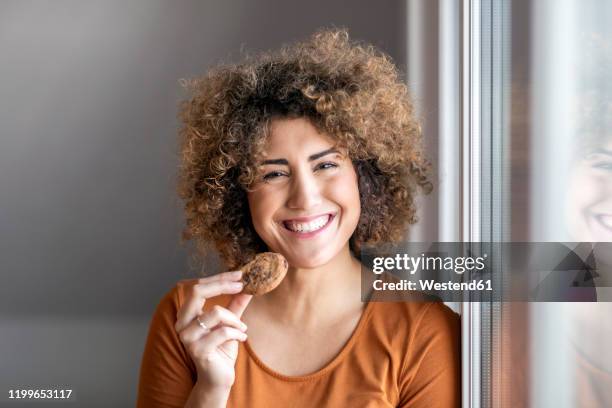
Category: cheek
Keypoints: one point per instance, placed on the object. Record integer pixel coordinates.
(583, 189)
(346, 191)
(259, 206)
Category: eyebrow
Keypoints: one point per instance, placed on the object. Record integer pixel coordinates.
(310, 158)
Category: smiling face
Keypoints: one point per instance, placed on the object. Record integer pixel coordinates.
(305, 204)
(589, 210)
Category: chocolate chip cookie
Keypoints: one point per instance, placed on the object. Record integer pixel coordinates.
(264, 273)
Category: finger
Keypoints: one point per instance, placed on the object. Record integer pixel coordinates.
(192, 333)
(231, 276)
(216, 317)
(220, 335)
(239, 304)
(197, 297)
(219, 315)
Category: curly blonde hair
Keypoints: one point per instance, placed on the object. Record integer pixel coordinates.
(350, 91)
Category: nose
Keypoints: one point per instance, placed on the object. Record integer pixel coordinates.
(304, 192)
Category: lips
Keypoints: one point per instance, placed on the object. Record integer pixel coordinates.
(306, 225)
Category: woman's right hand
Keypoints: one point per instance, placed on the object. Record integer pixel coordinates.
(213, 349)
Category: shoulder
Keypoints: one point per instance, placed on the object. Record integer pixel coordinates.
(414, 324)
(413, 316)
(410, 311)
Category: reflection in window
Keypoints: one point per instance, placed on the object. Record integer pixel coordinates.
(561, 183)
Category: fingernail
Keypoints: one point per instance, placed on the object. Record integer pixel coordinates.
(236, 274)
(236, 285)
(244, 326)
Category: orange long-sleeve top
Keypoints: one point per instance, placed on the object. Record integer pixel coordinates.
(401, 354)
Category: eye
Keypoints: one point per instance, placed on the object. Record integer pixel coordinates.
(272, 175)
(603, 165)
(326, 165)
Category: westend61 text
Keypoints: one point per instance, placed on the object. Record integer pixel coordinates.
(430, 284)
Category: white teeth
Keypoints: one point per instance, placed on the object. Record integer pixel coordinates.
(313, 225)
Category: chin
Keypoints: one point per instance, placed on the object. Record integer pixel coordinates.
(309, 262)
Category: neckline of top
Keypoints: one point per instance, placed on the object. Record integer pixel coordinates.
(327, 367)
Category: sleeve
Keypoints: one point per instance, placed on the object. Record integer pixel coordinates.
(167, 374)
(431, 372)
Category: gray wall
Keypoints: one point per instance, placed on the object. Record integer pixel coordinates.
(89, 220)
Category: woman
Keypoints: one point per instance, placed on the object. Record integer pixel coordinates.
(588, 217)
(310, 152)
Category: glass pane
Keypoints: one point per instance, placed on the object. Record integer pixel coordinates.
(559, 179)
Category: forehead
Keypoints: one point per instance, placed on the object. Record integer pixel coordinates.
(295, 135)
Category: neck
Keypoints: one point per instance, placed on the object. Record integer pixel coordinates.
(307, 295)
